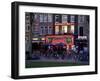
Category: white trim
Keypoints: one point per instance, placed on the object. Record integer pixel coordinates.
(52, 70)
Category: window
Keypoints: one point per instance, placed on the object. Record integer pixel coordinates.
(28, 28)
(46, 30)
(57, 18)
(27, 17)
(41, 30)
(72, 18)
(42, 38)
(35, 16)
(56, 29)
(41, 17)
(81, 19)
(35, 38)
(87, 19)
(45, 17)
(26, 38)
(68, 29)
(64, 29)
(49, 30)
(64, 18)
(81, 31)
(49, 18)
(72, 29)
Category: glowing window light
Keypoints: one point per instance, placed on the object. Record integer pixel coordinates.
(72, 28)
(42, 38)
(35, 38)
(56, 29)
(64, 29)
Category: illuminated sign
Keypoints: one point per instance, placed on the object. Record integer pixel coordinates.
(58, 40)
(65, 39)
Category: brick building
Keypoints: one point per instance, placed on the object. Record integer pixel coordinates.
(40, 25)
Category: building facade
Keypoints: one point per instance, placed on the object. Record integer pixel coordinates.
(27, 32)
(40, 25)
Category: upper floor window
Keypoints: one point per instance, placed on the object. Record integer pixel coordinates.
(81, 18)
(35, 16)
(45, 17)
(57, 18)
(41, 31)
(41, 17)
(49, 30)
(49, 18)
(72, 18)
(64, 18)
(46, 30)
(27, 17)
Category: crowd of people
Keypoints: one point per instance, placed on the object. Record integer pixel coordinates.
(58, 51)
(49, 50)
